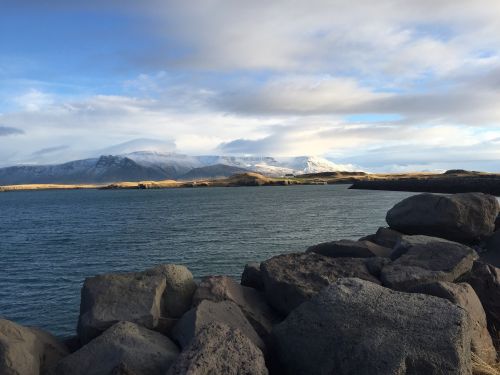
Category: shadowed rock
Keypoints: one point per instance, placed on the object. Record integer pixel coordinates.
(464, 296)
(251, 302)
(385, 237)
(220, 349)
(405, 242)
(461, 217)
(423, 264)
(110, 298)
(179, 289)
(291, 279)
(125, 348)
(226, 312)
(252, 277)
(350, 249)
(28, 351)
(358, 327)
(485, 279)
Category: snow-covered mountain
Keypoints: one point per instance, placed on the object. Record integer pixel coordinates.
(156, 165)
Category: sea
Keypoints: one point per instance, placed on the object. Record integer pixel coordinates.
(50, 241)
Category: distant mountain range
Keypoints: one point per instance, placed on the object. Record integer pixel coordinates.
(150, 165)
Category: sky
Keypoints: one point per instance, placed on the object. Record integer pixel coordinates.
(387, 86)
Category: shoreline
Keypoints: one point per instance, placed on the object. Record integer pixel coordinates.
(296, 313)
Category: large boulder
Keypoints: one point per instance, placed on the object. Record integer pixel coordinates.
(485, 279)
(463, 217)
(220, 349)
(385, 237)
(125, 348)
(291, 279)
(251, 302)
(110, 298)
(252, 277)
(491, 254)
(179, 290)
(358, 327)
(463, 295)
(406, 241)
(226, 312)
(28, 351)
(350, 249)
(423, 264)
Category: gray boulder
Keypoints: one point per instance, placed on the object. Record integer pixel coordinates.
(423, 264)
(125, 348)
(226, 312)
(358, 327)
(291, 279)
(485, 280)
(252, 277)
(464, 296)
(385, 237)
(491, 254)
(350, 249)
(463, 217)
(405, 242)
(179, 290)
(110, 298)
(28, 351)
(251, 302)
(220, 349)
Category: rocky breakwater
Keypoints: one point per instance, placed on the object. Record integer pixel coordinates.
(418, 297)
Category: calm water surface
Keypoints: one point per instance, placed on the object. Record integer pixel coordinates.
(52, 240)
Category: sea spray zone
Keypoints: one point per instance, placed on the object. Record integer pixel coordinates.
(417, 297)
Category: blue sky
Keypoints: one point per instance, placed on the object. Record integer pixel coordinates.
(394, 86)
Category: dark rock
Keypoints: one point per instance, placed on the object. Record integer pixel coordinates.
(125, 349)
(385, 237)
(179, 290)
(220, 349)
(492, 250)
(252, 277)
(497, 223)
(72, 343)
(350, 249)
(405, 242)
(423, 264)
(226, 312)
(251, 302)
(485, 279)
(463, 295)
(110, 298)
(28, 351)
(461, 217)
(357, 327)
(291, 279)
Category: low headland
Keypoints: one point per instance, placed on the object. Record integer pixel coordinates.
(454, 181)
(420, 296)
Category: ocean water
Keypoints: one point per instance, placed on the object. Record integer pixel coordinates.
(52, 240)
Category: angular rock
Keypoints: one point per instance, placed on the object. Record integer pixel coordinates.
(125, 348)
(465, 217)
(485, 280)
(463, 295)
(405, 242)
(226, 312)
(358, 327)
(492, 250)
(110, 298)
(423, 264)
(350, 249)
(28, 351)
(385, 237)
(291, 279)
(179, 290)
(252, 277)
(251, 302)
(220, 349)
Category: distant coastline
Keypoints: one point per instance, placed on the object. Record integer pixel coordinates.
(457, 181)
